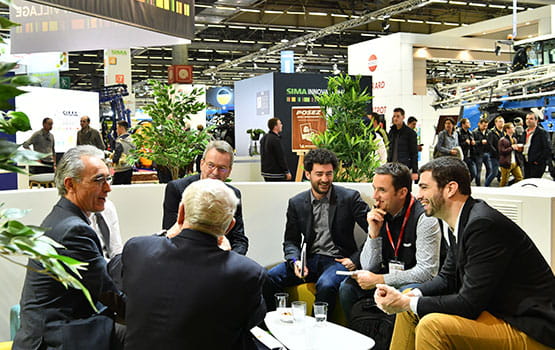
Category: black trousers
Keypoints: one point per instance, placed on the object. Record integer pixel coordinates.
(532, 170)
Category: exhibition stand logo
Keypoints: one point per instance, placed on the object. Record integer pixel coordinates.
(372, 62)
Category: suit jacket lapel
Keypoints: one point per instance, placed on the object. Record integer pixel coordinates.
(463, 221)
(307, 215)
(333, 207)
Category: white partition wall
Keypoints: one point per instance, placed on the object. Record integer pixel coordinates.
(264, 207)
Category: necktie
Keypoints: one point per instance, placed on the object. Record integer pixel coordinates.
(104, 231)
(452, 240)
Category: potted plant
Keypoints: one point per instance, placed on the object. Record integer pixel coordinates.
(168, 140)
(344, 106)
(17, 239)
(255, 137)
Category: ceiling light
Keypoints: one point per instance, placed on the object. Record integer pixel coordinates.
(432, 22)
(453, 2)
(414, 21)
(250, 10)
(317, 13)
(478, 4)
(273, 12)
(295, 13)
(497, 6)
(339, 15)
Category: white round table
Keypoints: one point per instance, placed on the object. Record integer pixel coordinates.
(309, 336)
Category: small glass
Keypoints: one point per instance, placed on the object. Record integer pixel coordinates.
(281, 307)
(299, 310)
(320, 312)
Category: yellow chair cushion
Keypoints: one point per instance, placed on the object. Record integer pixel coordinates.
(307, 292)
(7, 345)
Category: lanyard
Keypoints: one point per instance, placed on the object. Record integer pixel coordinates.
(402, 232)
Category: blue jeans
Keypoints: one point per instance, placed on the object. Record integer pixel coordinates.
(479, 160)
(471, 167)
(321, 270)
(494, 166)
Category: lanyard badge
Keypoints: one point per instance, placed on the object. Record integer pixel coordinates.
(395, 264)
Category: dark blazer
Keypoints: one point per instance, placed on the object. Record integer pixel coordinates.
(346, 208)
(174, 190)
(53, 316)
(505, 150)
(186, 293)
(494, 267)
(540, 149)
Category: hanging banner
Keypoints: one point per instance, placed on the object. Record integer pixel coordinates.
(171, 17)
(305, 122)
(48, 29)
(117, 67)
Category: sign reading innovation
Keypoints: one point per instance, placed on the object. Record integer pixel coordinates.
(171, 17)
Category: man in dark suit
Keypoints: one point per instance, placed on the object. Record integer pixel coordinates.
(324, 218)
(53, 316)
(537, 150)
(495, 289)
(216, 163)
(183, 291)
(403, 144)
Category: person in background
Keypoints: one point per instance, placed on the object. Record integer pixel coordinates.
(519, 129)
(273, 166)
(183, 291)
(403, 146)
(123, 171)
(216, 163)
(495, 289)
(509, 155)
(371, 121)
(447, 140)
(467, 143)
(411, 123)
(52, 315)
(403, 244)
(537, 150)
(88, 135)
(496, 133)
(481, 150)
(323, 218)
(43, 142)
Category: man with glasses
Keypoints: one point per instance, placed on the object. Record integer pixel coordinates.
(53, 316)
(216, 163)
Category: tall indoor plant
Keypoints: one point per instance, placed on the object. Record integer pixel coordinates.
(168, 140)
(344, 107)
(17, 239)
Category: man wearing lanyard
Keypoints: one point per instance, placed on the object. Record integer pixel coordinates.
(402, 246)
(495, 289)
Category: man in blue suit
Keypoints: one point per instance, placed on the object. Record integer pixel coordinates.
(324, 218)
(184, 291)
(53, 316)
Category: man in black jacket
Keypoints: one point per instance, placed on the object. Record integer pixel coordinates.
(537, 151)
(481, 150)
(323, 218)
(216, 163)
(403, 147)
(495, 134)
(273, 166)
(495, 289)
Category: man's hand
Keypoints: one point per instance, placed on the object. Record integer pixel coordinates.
(375, 218)
(297, 269)
(366, 279)
(223, 243)
(288, 176)
(454, 152)
(348, 263)
(390, 300)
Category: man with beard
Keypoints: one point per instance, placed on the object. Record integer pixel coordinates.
(324, 218)
(495, 289)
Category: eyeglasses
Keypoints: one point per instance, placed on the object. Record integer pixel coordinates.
(101, 179)
(221, 169)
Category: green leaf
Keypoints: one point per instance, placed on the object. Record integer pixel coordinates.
(25, 80)
(8, 92)
(6, 23)
(5, 67)
(19, 121)
(13, 213)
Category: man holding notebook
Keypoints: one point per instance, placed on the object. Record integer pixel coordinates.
(324, 218)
